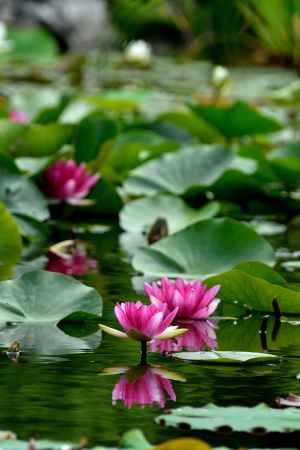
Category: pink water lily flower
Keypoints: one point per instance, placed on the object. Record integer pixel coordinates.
(200, 335)
(77, 264)
(18, 116)
(193, 300)
(69, 182)
(144, 322)
(150, 387)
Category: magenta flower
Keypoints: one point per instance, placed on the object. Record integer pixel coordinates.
(144, 322)
(77, 264)
(18, 116)
(148, 387)
(200, 334)
(192, 299)
(69, 182)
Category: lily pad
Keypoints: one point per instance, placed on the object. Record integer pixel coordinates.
(46, 339)
(237, 418)
(139, 215)
(21, 196)
(47, 297)
(10, 239)
(226, 357)
(190, 169)
(238, 119)
(257, 288)
(207, 247)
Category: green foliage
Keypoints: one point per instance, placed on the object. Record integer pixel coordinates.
(226, 357)
(207, 247)
(238, 418)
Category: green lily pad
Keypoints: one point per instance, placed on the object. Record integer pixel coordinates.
(239, 119)
(47, 297)
(193, 168)
(226, 357)
(204, 248)
(10, 239)
(42, 338)
(139, 215)
(238, 418)
(92, 132)
(257, 287)
(13, 444)
(21, 196)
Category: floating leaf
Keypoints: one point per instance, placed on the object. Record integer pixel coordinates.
(260, 418)
(42, 140)
(207, 247)
(239, 119)
(21, 196)
(92, 132)
(140, 215)
(226, 357)
(257, 287)
(10, 241)
(46, 339)
(47, 297)
(190, 169)
(175, 121)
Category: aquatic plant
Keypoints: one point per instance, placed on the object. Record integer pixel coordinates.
(144, 322)
(18, 116)
(192, 300)
(76, 263)
(200, 334)
(66, 181)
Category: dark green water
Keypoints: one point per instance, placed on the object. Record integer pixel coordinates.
(66, 396)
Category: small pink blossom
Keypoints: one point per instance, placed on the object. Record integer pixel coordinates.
(150, 388)
(68, 181)
(144, 322)
(192, 299)
(76, 264)
(200, 334)
(18, 116)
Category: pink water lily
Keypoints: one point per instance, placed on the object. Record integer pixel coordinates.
(67, 181)
(144, 322)
(193, 300)
(18, 116)
(77, 264)
(200, 334)
(150, 386)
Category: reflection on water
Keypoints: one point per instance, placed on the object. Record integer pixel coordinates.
(143, 385)
(200, 334)
(57, 389)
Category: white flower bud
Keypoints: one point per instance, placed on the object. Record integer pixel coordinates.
(220, 76)
(138, 52)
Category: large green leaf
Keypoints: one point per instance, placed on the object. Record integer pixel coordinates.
(238, 418)
(92, 132)
(133, 148)
(176, 123)
(285, 162)
(46, 339)
(47, 297)
(207, 247)
(42, 140)
(21, 196)
(194, 168)
(9, 132)
(226, 357)
(239, 119)
(138, 216)
(10, 239)
(256, 287)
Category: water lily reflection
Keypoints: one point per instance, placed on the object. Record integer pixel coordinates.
(200, 334)
(143, 385)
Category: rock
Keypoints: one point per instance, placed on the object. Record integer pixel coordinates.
(77, 25)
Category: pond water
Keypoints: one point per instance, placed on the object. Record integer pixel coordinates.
(66, 396)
